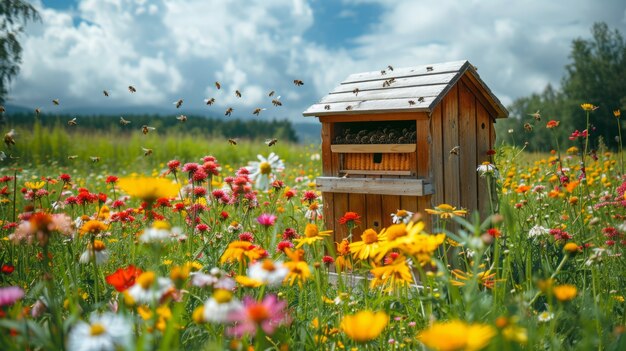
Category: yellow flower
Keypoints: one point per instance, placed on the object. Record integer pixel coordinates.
(446, 211)
(456, 335)
(412, 240)
(246, 281)
(147, 188)
(298, 268)
(617, 113)
(34, 185)
(588, 107)
(311, 235)
(571, 248)
(93, 227)
(368, 246)
(239, 250)
(565, 292)
(485, 278)
(365, 325)
(396, 273)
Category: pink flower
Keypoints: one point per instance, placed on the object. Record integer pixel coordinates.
(10, 294)
(266, 219)
(268, 315)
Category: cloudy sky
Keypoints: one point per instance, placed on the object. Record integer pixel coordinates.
(171, 49)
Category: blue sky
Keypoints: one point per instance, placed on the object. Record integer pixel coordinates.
(172, 49)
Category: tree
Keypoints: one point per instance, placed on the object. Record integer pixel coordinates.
(14, 14)
(594, 75)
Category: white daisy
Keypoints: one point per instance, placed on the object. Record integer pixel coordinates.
(149, 289)
(269, 272)
(103, 332)
(160, 232)
(537, 231)
(545, 316)
(263, 172)
(401, 216)
(217, 279)
(99, 250)
(220, 305)
(487, 169)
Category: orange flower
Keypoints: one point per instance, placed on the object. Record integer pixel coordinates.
(522, 189)
(572, 185)
(350, 218)
(552, 124)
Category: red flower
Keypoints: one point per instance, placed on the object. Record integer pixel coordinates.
(491, 152)
(494, 232)
(7, 268)
(350, 218)
(123, 279)
(309, 196)
(111, 179)
(65, 177)
(173, 165)
(246, 236)
(552, 124)
(328, 260)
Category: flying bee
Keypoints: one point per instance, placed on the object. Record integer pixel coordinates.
(37, 111)
(420, 99)
(271, 93)
(257, 111)
(536, 115)
(106, 93)
(232, 141)
(123, 121)
(218, 85)
(94, 159)
(349, 108)
(237, 93)
(178, 103)
(276, 102)
(72, 157)
(411, 102)
(132, 89)
(210, 101)
(72, 122)
(182, 118)
(455, 150)
(145, 129)
(298, 82)
(271, 142)
(326, 107)
(383, 72)
(356, 91)
(9, 138)
(146, 152)
(56, 102)
(429, 69)
(390, 68)
(228, 111)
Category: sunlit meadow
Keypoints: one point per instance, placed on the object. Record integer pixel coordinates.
(204, 245)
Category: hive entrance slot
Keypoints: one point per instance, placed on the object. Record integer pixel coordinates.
(377, 157)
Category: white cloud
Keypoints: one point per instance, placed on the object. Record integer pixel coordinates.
(171, 49)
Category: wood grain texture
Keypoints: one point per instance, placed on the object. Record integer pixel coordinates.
(409, 93)
(467, 141)
(358, 204)
(450, 141)
(436, 159)
(382, 186)
(340, 204)
(378, 117)
(436, 68)
(390, 204)
(483, 122)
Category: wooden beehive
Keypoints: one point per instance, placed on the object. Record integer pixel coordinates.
(387, 141)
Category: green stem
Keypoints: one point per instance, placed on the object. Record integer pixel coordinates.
(558, 269)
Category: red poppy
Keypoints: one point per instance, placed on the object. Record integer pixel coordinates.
(124, 278)
(350, 217)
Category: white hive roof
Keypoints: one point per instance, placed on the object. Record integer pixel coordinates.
(375, 92)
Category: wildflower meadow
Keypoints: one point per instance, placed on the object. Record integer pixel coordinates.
(209, 252)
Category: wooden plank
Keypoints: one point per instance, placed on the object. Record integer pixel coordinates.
(340, 202)
(482, 145)
(327, 137)
(437, 158)
(369, 106)
(494, 102)
(467, 141)
(351, 172)
(481, 96)
(374, 205)
(378, 117)
(368, 148)
(435, 68)
(328, 210)
(452, 194)
(409, 203)
(357, 203)
(382, 186)
(390, 204)
(443, 78)
(409, 93)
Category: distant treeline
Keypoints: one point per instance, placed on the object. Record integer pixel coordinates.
(252, 129)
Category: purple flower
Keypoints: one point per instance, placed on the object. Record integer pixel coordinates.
(9, 295)
(266, 219)
(268, 315)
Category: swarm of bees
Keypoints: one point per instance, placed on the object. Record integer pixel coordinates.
(374, 135)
